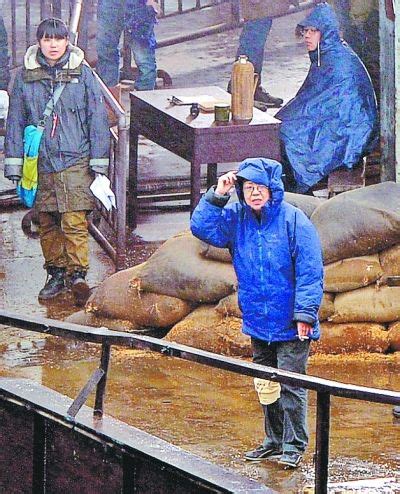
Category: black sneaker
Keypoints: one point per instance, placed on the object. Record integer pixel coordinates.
(396, 412)
(262, 453)
(79, 287)
(291, 459)
(267, 99)
(55, 284)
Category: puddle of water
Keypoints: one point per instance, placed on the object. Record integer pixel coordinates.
(215, 414)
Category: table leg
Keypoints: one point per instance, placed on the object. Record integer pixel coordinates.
(132, 201)
(211, 174)
(195, 174)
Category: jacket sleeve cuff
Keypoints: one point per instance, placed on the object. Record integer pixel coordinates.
(301, 317)
(13, 167)
(216, 199)
(99, 165)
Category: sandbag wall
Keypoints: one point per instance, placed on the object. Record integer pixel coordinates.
(189, 288)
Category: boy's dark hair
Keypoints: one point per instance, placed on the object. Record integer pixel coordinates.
(52, 28)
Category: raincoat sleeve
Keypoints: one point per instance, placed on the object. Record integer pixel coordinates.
(211, 221)
(98, 125)
(16, 123)
(307, 257)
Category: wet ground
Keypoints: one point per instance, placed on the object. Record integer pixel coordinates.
(215, 414)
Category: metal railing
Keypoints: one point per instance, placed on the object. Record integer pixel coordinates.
(323, 387)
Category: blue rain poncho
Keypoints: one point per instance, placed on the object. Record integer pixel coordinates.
(332, 121)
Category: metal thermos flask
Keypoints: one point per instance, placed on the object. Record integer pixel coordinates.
(243, 83)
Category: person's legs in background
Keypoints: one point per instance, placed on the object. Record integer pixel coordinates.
(145, 59)
(252, 43)
(110, 24)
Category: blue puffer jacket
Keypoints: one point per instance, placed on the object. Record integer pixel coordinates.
(332, 121)
(277, 260)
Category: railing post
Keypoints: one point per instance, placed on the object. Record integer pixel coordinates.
(322, 442)
(101, 387)
(39, 454)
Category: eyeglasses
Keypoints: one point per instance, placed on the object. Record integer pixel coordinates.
(250, 189)
(306, 30)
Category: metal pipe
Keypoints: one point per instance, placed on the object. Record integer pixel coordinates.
(74, 21)
(322, 443)
(129, 340)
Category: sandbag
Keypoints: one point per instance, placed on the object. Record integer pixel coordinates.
(394, 336)
(368, 304)
(352, 273)
(390, 261)
(90, 319)
(116, 298)
(211, 252)
(308, 204)
(351, 337)
(177, 269)
(359, 222)
(327, 306)
(229, 306)
(206, 329)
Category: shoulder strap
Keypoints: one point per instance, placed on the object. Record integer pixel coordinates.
(50, 105)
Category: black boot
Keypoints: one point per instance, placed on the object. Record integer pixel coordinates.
(267, 99)
(79, 287)
(55, 284)
(262, 99)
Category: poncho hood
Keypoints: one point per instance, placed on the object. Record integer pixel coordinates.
(324, 19)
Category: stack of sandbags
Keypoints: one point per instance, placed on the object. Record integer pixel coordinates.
(360, 237)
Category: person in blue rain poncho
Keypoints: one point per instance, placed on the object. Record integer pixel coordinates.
(332, 121)
(277, 258)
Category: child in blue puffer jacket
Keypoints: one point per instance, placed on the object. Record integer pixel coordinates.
(278, 262)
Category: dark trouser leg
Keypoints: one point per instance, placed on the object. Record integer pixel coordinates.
(293, 356)
(265, 354)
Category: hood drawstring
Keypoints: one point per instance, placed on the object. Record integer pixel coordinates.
(318, 56)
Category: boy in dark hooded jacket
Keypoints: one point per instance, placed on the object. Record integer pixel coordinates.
(74, 146)
(277, 258)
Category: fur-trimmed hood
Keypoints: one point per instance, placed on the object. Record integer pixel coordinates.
(75, 58)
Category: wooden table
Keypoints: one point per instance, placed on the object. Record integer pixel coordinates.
(199, 140)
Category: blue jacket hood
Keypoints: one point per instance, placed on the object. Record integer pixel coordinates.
(324, 19)
(262, 171)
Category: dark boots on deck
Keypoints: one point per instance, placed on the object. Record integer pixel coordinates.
(55, 283)
(79, 287)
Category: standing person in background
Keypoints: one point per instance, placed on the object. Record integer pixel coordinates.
(74, 146)
(254, 36)
(252, 43)
(137, 18)
(277, 258)
(4, 62)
